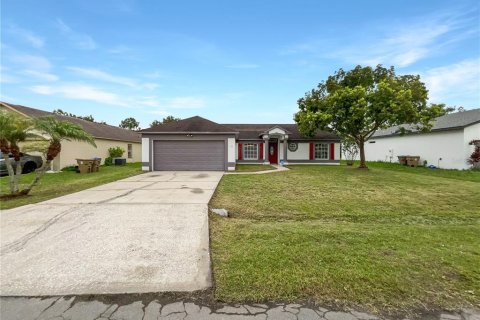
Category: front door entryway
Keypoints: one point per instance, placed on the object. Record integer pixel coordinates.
(273, 152)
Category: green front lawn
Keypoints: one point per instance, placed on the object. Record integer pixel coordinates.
(58, 184)
(253, 167)
(388, 239)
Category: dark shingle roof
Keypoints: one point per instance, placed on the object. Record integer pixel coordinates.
(244, 131)
(97, 130)
(193, 124)
(254, 131)
(450, 121)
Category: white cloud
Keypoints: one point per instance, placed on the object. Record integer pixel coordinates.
(27, 36)
(150, 86)
(104, 76)
(97, 74)
(79, 40)
(81, 92)
(32, 62)
(121, 49)
(395, 43)
(243, 66)
(454, 84)
(41, 75)
(185, 103)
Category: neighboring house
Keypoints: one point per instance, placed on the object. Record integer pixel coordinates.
(446, 146)
(106, 136)
(200, 144)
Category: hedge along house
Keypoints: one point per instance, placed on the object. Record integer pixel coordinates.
(200, 144)
(106, 137)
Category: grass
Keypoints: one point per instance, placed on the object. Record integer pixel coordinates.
(58, 184)
(253, 167)
(389, 239)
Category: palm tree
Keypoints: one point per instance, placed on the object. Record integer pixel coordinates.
(55, 131)
(13, 130)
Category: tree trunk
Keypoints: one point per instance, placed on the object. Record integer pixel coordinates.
(16, 179)
(361, 146)
(11, 173)
(40, 173)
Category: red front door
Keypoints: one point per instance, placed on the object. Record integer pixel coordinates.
(273, 152)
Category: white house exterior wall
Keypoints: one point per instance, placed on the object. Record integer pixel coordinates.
(145, 154)
(447, 145)
(302, 153)
(231, 154)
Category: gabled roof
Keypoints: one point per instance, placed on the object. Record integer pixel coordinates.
(452, 121)
(97, 130)
(190, 125)
(255, 131)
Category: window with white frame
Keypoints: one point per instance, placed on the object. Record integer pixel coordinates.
(250, 151)
(321, 151)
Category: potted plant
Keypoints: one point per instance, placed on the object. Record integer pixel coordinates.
(116, 154)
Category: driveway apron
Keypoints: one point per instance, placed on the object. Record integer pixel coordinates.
(147, 233)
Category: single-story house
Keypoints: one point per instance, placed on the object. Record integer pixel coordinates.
(445, 146)
(200, 144)
(106, 137)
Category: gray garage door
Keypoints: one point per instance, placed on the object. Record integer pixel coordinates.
(189, 155)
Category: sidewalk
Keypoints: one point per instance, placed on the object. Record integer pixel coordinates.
(66, 308)
(278, 169)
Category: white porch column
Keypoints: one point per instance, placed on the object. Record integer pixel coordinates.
(285, 145)
(265, 149)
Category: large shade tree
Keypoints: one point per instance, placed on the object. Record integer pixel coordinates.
(356, 103)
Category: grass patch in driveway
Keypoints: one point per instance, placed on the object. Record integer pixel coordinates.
(253, 167)
(383, 239)
(54, 185)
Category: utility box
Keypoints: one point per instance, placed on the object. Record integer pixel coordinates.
(120, 161)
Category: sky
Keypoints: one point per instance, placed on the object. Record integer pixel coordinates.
(245, 61)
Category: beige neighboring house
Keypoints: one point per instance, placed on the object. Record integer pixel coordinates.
(106, 136)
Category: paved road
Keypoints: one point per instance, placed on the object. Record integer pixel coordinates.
(147, 233)
(70, 308)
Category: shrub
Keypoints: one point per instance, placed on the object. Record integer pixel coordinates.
(108, 161)
(116, 152)
(474, 158)
(70, 168)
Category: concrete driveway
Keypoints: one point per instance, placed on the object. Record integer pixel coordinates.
(147, 233)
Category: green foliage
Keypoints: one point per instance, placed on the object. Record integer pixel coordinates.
(474, 158)
(68, 114)
(62, 130)
(349, 149)
(108, 161)
(165, 120)
(69, 169)
(356, 103)
(130, 123)
(116, 152)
